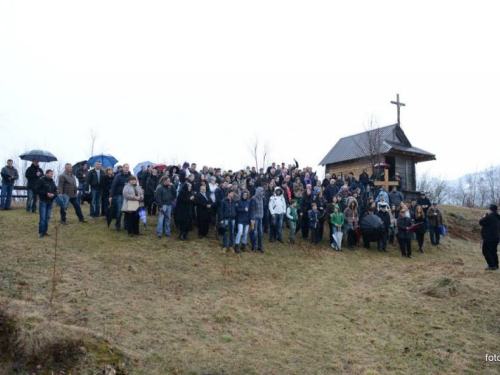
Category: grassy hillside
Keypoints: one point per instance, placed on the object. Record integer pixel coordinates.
(150, 306)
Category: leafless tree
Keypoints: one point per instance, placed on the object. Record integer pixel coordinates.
(253, 147)
(266, 154)
(369, 145)
(93, 139)
(440, 191)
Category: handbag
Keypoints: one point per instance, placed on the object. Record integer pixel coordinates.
(132, 206)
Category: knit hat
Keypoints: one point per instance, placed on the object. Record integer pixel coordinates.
(493, 207)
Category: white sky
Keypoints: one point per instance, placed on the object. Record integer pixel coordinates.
(196, 80)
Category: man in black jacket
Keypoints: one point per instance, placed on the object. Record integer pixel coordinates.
(33, 174)
(9, 177)
(47, 192)
(149, 192)
(81, 176)
(95, 180)
(116, 193)
(383, 214)
(203, 205)
(490, 232)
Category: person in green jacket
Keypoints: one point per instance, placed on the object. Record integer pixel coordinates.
(336, 224)
(292, 217)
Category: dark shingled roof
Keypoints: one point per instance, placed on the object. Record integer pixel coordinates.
(392, 137)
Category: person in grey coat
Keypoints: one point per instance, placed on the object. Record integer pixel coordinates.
(9, 177)
(256, 216)
(395, 197)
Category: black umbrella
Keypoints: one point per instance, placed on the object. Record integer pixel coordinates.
(40, 155)
(110, 213)
(372, 226)
(76, 167)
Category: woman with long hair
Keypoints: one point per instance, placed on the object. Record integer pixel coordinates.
(420, 232)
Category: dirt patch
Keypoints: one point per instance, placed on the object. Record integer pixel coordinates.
(444, 287)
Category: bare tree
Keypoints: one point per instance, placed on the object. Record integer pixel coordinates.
(253, 147)
(424, 182)
(93, 139)
(266, 154)
(440, 191)
(369, 144)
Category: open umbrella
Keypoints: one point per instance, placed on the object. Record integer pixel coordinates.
(160, 167)
(40, 155)
(138, 167)
(76, 167)
(372, 226)
(382, 165)
(106, 160)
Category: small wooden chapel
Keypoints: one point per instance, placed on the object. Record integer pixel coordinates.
(354, 153)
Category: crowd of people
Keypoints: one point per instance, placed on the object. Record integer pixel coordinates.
(242, 206)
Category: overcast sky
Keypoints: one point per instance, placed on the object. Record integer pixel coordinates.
(197, 80)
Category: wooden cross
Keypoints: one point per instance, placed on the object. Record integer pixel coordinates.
(386, 182)
(399, 104)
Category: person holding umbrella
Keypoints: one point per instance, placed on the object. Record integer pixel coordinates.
(33, 174)
(95, 181)
(9, 176)
(47, 192)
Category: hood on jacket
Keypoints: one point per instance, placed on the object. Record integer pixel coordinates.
(278, 188)
(258, 191)
(243, 192)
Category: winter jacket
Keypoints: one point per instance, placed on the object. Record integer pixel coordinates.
(257, 205)
(45, 186)
(228, 209)
(291, 214)
(403, 223)
(305, 204)
(337, 219)
(421, 228)
(330, 192)
(165, 195)
(151, 185)
(313, 217)
(386, 219)
(435, 217)
(277, 205)
(32, 177)
(351, 218)
(67, 184)
(130, 192)
(425, 203)
(243, 211)
(9, 175)
(81, 175)
(119, 183)
(92, 180)
(201, 202)
(106, 185)
(364, 178)
(395, 198)
(490, 227)
(183, 209)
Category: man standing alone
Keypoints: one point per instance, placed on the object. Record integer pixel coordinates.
(490, 224)
(9, 176)
(33, 174)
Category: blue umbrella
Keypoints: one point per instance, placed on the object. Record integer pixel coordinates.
(43, 156)
(106, 160)
(138, 167)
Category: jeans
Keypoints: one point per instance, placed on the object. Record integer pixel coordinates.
(242, 231)
(276, 227)
(118, 201)
(45, 213)
(292, 226)
(435, 233)
(256, 235)
(164, 220)
(6, 195)
(95, 206)
(229, 223)
(81, 186)
(76, 205)
(31, 201)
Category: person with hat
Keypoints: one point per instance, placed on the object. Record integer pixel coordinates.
(490, 224)
(424, 202)
(435, 219)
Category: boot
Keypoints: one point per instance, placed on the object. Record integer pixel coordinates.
(244, 248)
(236, 248)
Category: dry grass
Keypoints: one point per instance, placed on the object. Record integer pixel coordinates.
(186, 308)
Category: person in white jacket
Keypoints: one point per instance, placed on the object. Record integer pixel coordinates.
(277, 209)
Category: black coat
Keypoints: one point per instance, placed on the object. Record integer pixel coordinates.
(151, 185)
(490, 227)
(184, 206)
(386, 219)
(403, 223)
(106, 184)
(45, 186)
(32, 177)
(201, 202)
